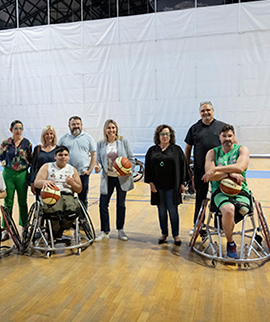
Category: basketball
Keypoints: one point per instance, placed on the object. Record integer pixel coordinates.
(50, 196)
(230, 187)
(122, 166)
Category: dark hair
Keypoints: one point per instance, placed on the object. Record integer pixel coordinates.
(159, 129)
(15, 122)
(61, 148)
(74, 118)
(227, 128)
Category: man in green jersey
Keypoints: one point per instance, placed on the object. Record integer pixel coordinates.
(228, 160)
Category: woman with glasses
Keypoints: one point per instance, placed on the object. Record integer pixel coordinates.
(43, 153)
(166, 172)
(16, 156)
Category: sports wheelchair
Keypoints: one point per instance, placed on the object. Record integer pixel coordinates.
(253, 238)
(11, 227)
(38, 233)
(138, 172)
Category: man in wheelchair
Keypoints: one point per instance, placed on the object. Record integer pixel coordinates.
(228, 160)
(67, 179)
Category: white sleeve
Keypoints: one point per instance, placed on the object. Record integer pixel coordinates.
(2, 183)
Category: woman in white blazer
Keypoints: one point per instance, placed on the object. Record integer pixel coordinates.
(108, 149)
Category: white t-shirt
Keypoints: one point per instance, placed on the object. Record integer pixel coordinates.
(112, 154)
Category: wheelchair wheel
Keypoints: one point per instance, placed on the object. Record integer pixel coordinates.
(264, 219)
(86, 223)
(138, 171)
(262, 222)
(31, 226)
(198, 224)
(11, 227)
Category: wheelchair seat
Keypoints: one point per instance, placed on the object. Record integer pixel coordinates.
(253, 236)
(39, 234)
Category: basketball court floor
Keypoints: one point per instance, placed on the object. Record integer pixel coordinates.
(137, 280)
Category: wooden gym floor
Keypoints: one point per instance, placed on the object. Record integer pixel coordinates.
(137, 280)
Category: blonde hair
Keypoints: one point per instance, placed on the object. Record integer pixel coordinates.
(105, 139)
(46, 128)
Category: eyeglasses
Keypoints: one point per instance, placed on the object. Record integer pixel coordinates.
(165, 133)
(18, 128)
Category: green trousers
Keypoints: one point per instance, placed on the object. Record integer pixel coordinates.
(16, 181)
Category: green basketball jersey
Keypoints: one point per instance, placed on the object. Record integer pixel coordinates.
(228, 158)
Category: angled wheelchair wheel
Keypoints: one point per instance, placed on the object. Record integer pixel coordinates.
(263, 222)
(12, 229)
(198, 223)
(86, 223)
(31, 225)
(264, 219)
(138, 171)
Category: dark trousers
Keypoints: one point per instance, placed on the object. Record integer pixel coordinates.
(166, 206)
(85, 186)
(201, 190)
(113, 182)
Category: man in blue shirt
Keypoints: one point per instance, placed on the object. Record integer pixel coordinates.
(81, 145)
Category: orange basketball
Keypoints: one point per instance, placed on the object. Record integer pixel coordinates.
(50, 196)
(230, 187)
(122, 166)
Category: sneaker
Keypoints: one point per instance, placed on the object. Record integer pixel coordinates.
(4, 235)
(231, 250)
(102, 235)
(122, 235)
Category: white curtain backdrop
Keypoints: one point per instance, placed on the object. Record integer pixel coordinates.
(142, 71)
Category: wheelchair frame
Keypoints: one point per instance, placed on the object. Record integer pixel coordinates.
(257, 250)
(11, 227)
(38, 237)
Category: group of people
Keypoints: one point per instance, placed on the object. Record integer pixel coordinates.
(69, 164)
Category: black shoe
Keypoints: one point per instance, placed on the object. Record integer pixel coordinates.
(162, 239)
(177, 242)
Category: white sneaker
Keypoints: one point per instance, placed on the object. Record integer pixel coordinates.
(4, 235)
(191, 231)
(122, 235)
(102, 235)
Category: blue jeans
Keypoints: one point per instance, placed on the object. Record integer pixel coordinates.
(83, 194)
(166, 205)
(104, 201)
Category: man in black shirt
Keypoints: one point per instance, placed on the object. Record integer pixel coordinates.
(203, 135)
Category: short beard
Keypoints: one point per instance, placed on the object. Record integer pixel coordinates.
(76, 132)
(227, 144)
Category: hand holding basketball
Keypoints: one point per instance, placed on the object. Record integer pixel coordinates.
(230, 187)
(50, 195)
(122, 166)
